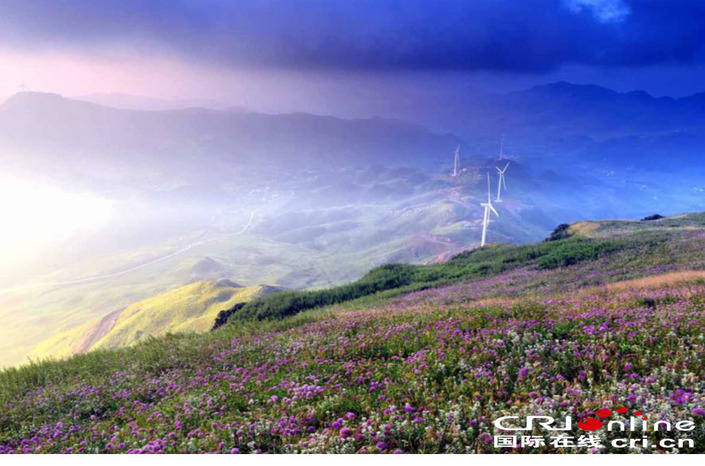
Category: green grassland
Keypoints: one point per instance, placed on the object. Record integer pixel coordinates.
(190, 308)
(416, 334)
(620, 241)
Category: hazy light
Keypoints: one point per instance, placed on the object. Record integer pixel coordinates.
(36, 215)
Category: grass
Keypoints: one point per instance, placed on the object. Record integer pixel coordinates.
(189, 308)
(153, 355)
(420, 361)
(423, 373)
(393, 279)
(567, 245)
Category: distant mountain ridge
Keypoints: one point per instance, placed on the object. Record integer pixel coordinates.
(585, 108)
(202, 142)
(138, 102)
(180, 140)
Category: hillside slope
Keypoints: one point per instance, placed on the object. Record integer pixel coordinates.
(189, 308)
(613, 316)
(617, 248)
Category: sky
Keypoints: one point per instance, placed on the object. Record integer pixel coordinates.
(341, 56)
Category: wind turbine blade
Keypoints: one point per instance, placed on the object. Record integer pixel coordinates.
(505, 167)
(504, 182)
(493, 210)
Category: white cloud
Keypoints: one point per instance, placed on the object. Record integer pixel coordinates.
(604, 11)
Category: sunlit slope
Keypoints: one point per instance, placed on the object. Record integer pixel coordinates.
(190, 308)
(610, 228)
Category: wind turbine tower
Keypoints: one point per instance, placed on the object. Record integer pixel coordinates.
(489, 209)
(456, 161)
(501, 181)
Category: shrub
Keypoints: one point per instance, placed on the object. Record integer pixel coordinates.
(652, 217)
(571, 252)
(392, 279)
(560, 232)
(280, 305)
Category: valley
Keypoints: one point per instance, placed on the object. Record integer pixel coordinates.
(231, 199)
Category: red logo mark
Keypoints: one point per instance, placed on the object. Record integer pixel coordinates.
(589, 423)
(603, 412)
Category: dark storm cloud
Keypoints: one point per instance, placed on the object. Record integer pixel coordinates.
(516, 36)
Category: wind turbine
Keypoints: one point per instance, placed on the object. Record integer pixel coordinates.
(488, 209)
(501, 181)
(456, 161)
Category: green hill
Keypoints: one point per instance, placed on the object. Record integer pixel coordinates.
(620, 242)
(410, 359)
(190, 308)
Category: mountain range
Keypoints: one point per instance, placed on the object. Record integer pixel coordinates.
(202, 145)
(563, 110)
(138, 102)
(304, 201)
(584, 122)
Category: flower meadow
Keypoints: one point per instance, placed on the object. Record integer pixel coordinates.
(427, 372)
(560, 329)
